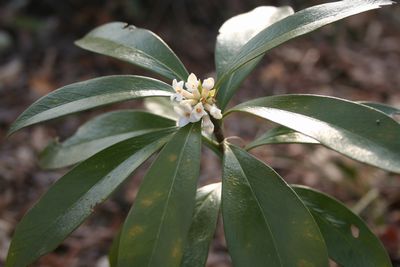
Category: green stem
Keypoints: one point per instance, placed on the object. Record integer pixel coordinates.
(213, 145)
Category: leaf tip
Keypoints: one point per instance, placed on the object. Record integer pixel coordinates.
(12, 130)
(78, 42)
(384, 2)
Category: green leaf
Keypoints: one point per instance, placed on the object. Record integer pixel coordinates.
(161, 106)
(299, 23)
(350, 242)
(134, 45)
(74, 196)
(204, 222)
(281, 135)
(113, 254)
(233, 34)
(228, 88)
(264, 220)
(155, 231)
(99, 133)
(389, 110)
(89, 94)
(355, 130)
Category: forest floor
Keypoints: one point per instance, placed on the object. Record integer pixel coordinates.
(356, 59)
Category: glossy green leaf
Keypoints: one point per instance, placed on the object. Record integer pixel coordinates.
(99, 133)
(265, 222)
(350, 243)
(299, 23)
(233, 34)
(353, 129)
(161, 106)
(113, 254)
(89, 94)
(74, 196)
(204, 222)
(389, 110)
(156, 228)
(281, 135)
(134, 45)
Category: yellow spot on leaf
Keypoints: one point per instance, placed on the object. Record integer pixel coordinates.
(177, 249)
(150, 199)
(146, 202)
(304, 263)
(172, 157)
(136, 230)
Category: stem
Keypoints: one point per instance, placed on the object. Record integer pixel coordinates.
(366, 200)
(218, 133)
(213, 145)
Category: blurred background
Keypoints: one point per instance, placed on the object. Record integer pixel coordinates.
(356, 59)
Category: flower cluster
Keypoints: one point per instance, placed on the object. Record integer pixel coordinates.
(196, 102)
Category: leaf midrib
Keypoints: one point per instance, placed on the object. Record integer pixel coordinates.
(38, 117)
(98, 184)
(198, 210)
(127, 134)
(178, 162)
(349, 133)
(160, 63)
(260, 208)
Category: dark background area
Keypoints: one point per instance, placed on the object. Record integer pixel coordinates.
(357, 59)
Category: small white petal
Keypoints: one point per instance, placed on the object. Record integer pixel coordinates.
(215, 112)
(197, 113)
(186, 107)
(191, 102)
(208, 83)
(192, 78)
(178, 86)
(192, 83)
(196, 94)
(187, 94)
(207, 125)
(208, 107)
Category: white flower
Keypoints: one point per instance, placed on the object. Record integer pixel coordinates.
(196, 103)
(191, 102)
(208, 84)
(192, 83)
(178, 87)
(207, 125)
(183, 110)
(215, 112)
(197, 113)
